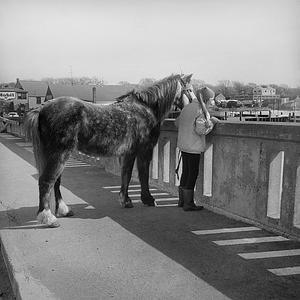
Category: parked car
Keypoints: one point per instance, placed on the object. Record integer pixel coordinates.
(234, 103)
(12, 114)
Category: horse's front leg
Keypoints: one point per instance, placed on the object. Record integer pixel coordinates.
(127, 162)
(143, 162)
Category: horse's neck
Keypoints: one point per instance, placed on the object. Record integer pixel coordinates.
(165, 106)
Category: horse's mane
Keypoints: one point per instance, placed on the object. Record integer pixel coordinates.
(152, 96)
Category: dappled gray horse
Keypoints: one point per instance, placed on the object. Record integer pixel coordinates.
(128, 128)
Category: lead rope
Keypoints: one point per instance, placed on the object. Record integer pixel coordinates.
(204, 109)
(178, 164)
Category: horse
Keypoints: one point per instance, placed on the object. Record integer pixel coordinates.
(128, 128)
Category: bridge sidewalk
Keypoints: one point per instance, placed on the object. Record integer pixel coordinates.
(90, 257)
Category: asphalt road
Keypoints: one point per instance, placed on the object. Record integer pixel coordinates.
(217, 258)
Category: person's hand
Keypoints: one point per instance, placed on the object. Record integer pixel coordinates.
(214, 120)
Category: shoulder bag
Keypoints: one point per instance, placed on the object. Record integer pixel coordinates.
(202, 123)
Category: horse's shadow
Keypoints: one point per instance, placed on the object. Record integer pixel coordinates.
(25, 217)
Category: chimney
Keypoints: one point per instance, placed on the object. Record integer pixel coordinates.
(94, 94)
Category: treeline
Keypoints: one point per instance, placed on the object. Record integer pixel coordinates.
(230, 89)
(235, 89)
(75, 80)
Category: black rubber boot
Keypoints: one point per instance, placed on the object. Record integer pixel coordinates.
(180, 195)
(188, 201)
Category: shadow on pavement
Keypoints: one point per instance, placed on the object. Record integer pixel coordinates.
(168, 230)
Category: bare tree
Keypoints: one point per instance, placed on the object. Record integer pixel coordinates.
(225, 87)
(198, 83)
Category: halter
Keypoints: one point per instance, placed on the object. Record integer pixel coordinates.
(186, 91)
(189, 93)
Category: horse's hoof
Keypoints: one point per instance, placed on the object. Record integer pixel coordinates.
(69, 214)
(149, 203)
(128, 205)
(54, 225)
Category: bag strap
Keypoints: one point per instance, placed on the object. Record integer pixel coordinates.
(203, 106)
(178, 164)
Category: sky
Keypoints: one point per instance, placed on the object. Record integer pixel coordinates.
(127, 40)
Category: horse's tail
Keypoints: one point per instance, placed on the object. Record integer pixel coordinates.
(32, 132)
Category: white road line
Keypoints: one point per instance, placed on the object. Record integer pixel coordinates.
(250, 240)
(166, 199)
(286, 271)
(23, 144)
(11, 138)
(77, 166)
(156, 204)
(225, 230)
(269, 254)
(153, 194)
(118, 186)
(90, 207)
(76, 163)
(29, 149)
(130, 191)
(166, 205)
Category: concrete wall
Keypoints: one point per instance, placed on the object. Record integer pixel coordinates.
(250, 171)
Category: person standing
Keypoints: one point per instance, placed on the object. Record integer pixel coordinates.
(192, 145)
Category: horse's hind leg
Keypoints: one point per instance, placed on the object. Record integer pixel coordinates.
(50, 173)
(143, 162)
(127, 163)
(61, 209)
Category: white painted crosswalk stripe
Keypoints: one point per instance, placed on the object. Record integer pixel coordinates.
(76, 166)
(157, 203)
(118, 186)
(74, 163)
(10, 137)
(130, 191)
(166, 205)
(286, 271)
(90, 207)
(225, 230)
(133, 192)
(153, 194)
(166, 199)
(30, 149)
(250, 240)
(270, 254)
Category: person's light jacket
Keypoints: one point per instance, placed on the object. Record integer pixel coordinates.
(188, 141)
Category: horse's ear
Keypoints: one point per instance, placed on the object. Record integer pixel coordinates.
(187, 78)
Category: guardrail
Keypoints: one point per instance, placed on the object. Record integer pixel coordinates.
(250, 171)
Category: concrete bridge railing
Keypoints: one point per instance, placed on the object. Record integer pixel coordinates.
(250, 171)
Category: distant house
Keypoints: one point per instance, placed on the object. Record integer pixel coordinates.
(265, 94)
(292, 105)
(83, 92)
(13, 99)
(219, 97)
(98, 94)
(36, 91)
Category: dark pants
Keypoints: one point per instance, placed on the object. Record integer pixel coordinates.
(190, 170)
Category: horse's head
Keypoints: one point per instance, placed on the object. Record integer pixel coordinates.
(185, 93)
